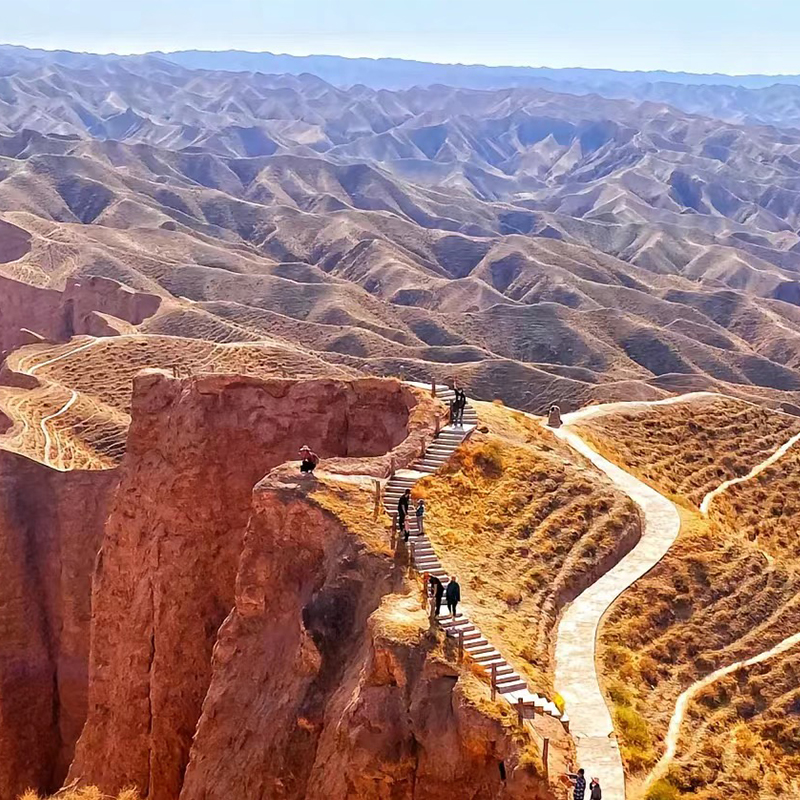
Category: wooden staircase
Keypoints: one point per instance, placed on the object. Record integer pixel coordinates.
(509, 684)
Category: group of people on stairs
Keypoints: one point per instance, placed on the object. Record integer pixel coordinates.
(579, 782)
(452, 594)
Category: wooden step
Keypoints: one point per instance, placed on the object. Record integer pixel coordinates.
(512, 687)
(510, 678)
(484, 657)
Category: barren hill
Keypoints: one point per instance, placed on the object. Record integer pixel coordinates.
(541, 246)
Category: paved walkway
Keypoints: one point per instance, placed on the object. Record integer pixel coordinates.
(576, 670)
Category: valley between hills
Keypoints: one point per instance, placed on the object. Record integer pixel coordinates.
(202, 270)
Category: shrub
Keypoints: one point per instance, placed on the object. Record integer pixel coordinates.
(662, 790)
(488, 458)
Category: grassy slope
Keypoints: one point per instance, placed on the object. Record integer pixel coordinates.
(727, 591)
(523, 522)
(687, 449)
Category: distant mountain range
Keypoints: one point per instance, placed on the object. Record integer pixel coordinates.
(398, 73)
(742, 99)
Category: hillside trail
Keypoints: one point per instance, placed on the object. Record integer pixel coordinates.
(577, 676)
(511, 686)
(49, 442)
(674, 730)
(576, 669)
(679, 714)
(725, 485)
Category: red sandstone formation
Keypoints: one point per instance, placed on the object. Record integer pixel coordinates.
(14, 242)
(51, 525)
(87, 296)
(167, 570)
(82, 308)
(312, 697)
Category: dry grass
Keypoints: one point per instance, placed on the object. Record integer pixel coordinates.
(522, 524)
(352, 500)
(84, 793)
(687, 449)
(728, 590)
(766, 508)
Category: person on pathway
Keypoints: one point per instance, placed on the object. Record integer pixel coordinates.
(437, 591)
(421, 517)
(452, 595)
(402, 510)
(459, 404)
(595, 793)
(309, 459)
(580, 784)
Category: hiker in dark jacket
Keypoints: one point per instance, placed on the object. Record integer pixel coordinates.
(309, 459)
(437, 591)
(461, 404)
(595, 793)
(402, 509)
(453, 595)
(580, 784)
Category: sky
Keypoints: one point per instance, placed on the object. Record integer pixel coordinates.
(729, 36)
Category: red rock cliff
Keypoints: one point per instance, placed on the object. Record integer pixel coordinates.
(58, 316)
(167, 570)
(315, 695)
(51, 525)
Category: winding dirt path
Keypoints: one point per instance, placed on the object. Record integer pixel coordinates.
(679, 714)
(47, 438)
(32, 370)
(779, 453)
(576, 673)
(674, 730)
(43, 423)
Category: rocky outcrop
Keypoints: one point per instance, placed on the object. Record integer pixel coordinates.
(14, 242)
(84, 307)
(51, 525)
(408, 724)
(304, 592)
(86, 297)
(317, 693)
(167, 572)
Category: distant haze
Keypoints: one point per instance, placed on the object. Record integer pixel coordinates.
(398, 73)
(704, 36)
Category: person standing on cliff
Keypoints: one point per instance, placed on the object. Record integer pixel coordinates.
(595, 793)
(309, 459)
(420, 517)
(402, 511)
(453, 595)
(437, 591)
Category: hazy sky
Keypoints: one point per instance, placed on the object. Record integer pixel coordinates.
(733, 36)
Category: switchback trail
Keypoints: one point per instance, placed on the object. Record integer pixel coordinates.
(678, 715)
(576, 670)
(47, 438)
